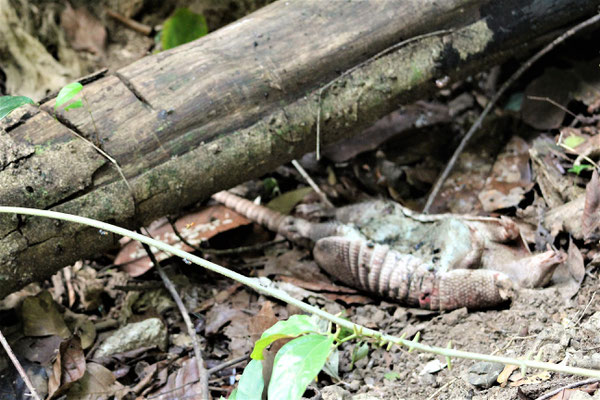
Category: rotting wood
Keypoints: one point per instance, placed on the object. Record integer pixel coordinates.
(188, 122)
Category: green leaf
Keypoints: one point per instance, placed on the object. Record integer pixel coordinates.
(287, 201)
(182, 27)
(10, 103)
(294, 326)
(573, 141)
(391, 376)
(332, 365)
(361, 350)
(251, 383)
(67, 93)
(297, 364)
(271, 186)
(577, 169)
(74, 105)
(232, 396)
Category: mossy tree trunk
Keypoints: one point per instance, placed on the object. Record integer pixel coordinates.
(233, 105)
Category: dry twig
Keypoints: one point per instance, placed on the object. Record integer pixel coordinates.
(312, 183)
(131, 24)
(202, 374)
(570, 386)
(224, 252)
(228, 363)
(442, 178)
(19, 367)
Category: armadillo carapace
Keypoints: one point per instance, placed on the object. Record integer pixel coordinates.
(439, 262)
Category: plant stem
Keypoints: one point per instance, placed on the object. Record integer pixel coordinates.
(19, 367)
(261, 286)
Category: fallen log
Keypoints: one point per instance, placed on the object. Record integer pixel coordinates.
(233, 105)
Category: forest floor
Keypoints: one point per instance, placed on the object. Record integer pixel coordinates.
(530, 161)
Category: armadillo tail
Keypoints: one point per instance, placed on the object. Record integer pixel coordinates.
(262, 215)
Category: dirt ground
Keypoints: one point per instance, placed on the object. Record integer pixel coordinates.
(558, 323)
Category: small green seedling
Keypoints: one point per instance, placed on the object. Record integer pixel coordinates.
(64, 99)
(392, 376)
(271, 186)
(361, 350)
(10, 103)
(313, 348)
(578, 169)
(296, 364)
(66, 94)
(182, 27)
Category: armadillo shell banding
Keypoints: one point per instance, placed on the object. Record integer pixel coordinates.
(407, 279)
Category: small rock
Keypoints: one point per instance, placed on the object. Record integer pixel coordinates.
(432, 367)
(460, 103)
(535, 327)
(523, 331)
(484, 374)
(355, 385)
(586, 361)
(181, 340)
(400, 315)
(593, 322)
(365, 396)
(334, 392)
(452, 318)
(580, 395)
(552, 352)
(379, 316)
(427, 380)
(147, 333)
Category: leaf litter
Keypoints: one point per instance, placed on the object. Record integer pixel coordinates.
(509, 170)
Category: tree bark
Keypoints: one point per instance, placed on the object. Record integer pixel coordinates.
(233, 105)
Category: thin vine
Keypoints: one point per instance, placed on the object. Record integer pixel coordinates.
(261, 286)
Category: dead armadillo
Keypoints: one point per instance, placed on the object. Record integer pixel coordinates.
(417, 260)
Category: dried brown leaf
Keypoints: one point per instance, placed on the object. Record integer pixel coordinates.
(83, 30)
(323, 286)
(393, 124)
(575, 262)
(195, 228)
(554, 84)
(219, 316)
(505, 374)
(566, 394)
(41, 317)
(591, 212)
(263, 320)
(510, 178)
(68, 367)
(179, 384)
(530, 380)
(97, 383)
(330, 291)
(14, 299)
